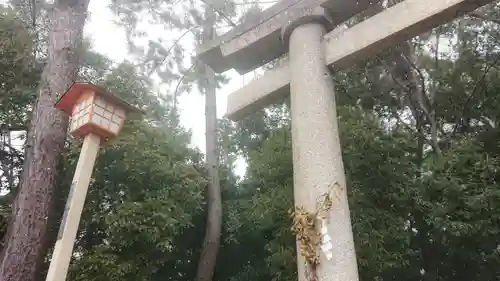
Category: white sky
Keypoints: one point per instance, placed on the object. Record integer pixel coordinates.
(109, 39)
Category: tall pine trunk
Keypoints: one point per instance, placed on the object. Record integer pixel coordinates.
(25, 241)
(210, 247)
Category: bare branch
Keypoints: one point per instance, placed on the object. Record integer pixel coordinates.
(484, 17)
(222, 14)
(471, 94)
(430, 118)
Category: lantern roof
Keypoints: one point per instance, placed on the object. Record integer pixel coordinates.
(70, 97)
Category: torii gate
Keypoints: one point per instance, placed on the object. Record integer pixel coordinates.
(299, 26)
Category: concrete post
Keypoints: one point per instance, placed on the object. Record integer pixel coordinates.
(74, 206)
(317, 158)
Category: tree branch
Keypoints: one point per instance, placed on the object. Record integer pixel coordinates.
(484, 17)
(222, 14)
(12, 128)
(471, 94)
(433, 142)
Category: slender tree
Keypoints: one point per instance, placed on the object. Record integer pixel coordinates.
(210, 247)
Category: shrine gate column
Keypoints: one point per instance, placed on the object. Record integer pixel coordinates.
(319, 177)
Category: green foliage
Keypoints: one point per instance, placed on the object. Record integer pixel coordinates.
(19, 75)
(145, 191)
(147, 188)
(18, 72)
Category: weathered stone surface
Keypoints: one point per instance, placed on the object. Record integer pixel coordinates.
(317, 157)
(211, 54)
(398, 23)
(270, 88)
(317, 14)
(251, 45)
(263, 43)
(343, 48)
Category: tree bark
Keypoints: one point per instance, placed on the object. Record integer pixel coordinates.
(25, 248)
(210, 247)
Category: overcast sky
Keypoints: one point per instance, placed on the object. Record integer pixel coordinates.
(109, 39)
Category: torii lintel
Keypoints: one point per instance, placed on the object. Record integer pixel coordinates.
(343, 48)
(256, 42)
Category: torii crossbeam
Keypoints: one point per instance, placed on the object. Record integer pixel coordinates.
(408, 19)
(252, 44)
(298, 27)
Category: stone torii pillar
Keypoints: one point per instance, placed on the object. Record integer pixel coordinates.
(298, 27)
(319, 178)
(317, 158)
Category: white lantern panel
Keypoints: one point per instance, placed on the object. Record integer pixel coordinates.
(76, 108)
(81, 114)
(87, 109)
(86, 117)
(110, 107)
(100, 102)
(99, 110)
(105, 123)
(107, 115)
(101, 121)
(81, 108)
(114, 128)
(97, 119)
(116, 119)
(120, 112)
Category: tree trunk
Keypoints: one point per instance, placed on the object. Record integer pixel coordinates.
(25, 241)
(210, 247)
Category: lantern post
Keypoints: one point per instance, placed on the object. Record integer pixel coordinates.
(95, 116)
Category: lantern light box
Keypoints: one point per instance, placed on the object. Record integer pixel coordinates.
(93, 110)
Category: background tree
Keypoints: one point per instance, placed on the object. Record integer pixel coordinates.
(211, 241)
(16, 96)
(26, 236)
